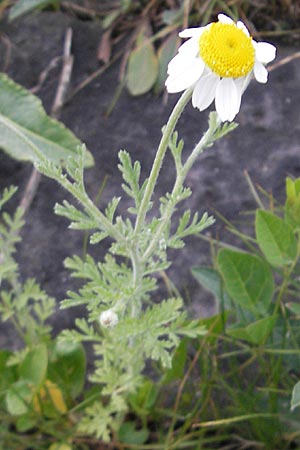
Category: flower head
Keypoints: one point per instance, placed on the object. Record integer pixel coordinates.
(217, 61)
(108, 319)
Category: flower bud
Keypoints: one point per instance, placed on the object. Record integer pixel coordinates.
(108, 319)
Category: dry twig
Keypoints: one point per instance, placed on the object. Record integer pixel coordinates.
(63, 84)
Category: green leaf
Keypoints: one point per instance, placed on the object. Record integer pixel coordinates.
(192, 329)
(144, 398)
(173, 16)
(215, 325)
(257, 332)
(34, 366)
(248, 280)
(27, 133)
(129, 435)
(210, 279)
(165, 53)
(275, 238)
(25, 6)
(178, 364)
(292, 204)
(295, 402)
(68, 367)
(294, 308)
(110, 18)
(7, 373)
(142, 66)
(18, 398)
(26, 422)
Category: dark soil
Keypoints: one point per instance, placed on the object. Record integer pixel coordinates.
(266, 144)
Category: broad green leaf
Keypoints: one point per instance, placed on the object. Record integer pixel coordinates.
(142, 66)
(275, 238)
(25, 6)
(292, 204)
(7, 373)
(295, 402)
(68, 367)
(34, 366)
(26, 422)
(165, 53)
(129, 435)
(257, 332)
(18, 398)
(210, 279)
(27, 132)
(248, 280)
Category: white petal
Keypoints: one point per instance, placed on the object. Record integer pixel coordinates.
(205, 91)
(265, 52)
(185, 78)
(228, 99)
(260, 72)
(243, 82)
(178, 63)
(190, 47)
(225, 19)
(181, 62)
(243, 27)
(192, 32)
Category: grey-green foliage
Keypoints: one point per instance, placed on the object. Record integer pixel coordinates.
(9, 237)
(26, 305)
(124, 282)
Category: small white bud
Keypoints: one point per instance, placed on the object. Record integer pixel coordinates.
(108, 319)
(162, 244)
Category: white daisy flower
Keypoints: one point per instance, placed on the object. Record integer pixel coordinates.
(217, 61)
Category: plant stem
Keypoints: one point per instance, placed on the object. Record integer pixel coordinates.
(204, 142)
(161, 151)
(181, 175)
(91, 208)
(137, 276)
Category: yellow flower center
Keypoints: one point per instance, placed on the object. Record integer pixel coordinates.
(227, 50)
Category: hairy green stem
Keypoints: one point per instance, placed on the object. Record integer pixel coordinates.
(137, 276)
(181, 175)
(92, 210)
(136, 260)
(204, 142)
(161, 151)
